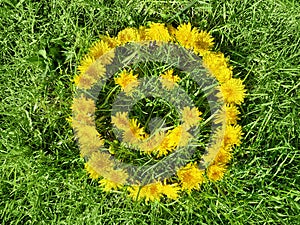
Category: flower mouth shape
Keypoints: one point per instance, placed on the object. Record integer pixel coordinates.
(116, 96)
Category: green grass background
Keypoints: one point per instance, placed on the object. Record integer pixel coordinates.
(42, 180)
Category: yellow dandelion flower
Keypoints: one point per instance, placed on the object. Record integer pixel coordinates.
(150, 192)
(186, 36)
(108, 57)
(232, 91)
(142, 33)
(168, 144)
(134, 133)
(130, 138)
(168, 80)
(85, 63)
(185, 137)
(99, 165)
(175, 137)
(135, 128)
(98, 49)
(96, 70)
(178, 137)
(170, 190)
(191, 177)
(157, 32)
(111, 41)
(80, 120)
(89, 139)
(90, 71)
(134, 192)
(216, 172)
(164, 148)
(84, 82)
(88, 134)
(228, 114)
(217, 65)
(83, 110)
(83, 105)
(223, 156)
(128, 35)
(76, 80)
(121, 120)
(113, 180)
(232, 135)
(93, 174)
(203, 43)
(127, 81)
(190, 116)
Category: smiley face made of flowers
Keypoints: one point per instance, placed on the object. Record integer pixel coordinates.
(119, 100)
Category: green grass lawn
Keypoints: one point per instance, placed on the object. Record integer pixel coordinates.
(42, 180)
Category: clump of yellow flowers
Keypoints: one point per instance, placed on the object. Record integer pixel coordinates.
(101, 166)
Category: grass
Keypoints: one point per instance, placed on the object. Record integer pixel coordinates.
(42, 180)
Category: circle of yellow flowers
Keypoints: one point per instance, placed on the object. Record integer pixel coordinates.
(100, 166)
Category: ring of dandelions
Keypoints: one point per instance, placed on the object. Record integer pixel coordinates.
(156, 110)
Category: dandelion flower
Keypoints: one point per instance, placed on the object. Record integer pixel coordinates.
(83, 110)
(84, 82)
(99, 165)
(93, 173)
(168, 80)
(164, 147)
(178, 136)
(150, 192)
(217, 65)
(121, 120)
(232, 91)
(128, 35)
(186, 36)
(134, 192)
(203, 43)
(190, 176)
(83, 105)
(190, 116)
(89, 139)
(184, 136)
(90, 71)
(85, 63)
(157, 32)
(190, 38)
(79, 120)
(96, 70)
(228, 114)
(99, 49)
(127, 81)
(142, 33)
(113, 180)
(170, 190)
(134, 133)
(223, 156)
(111, 41)
(232, 135)
(216, 172)
(175, 137)
(169, 143)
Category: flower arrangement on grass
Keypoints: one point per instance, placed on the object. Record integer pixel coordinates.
(95, 126)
